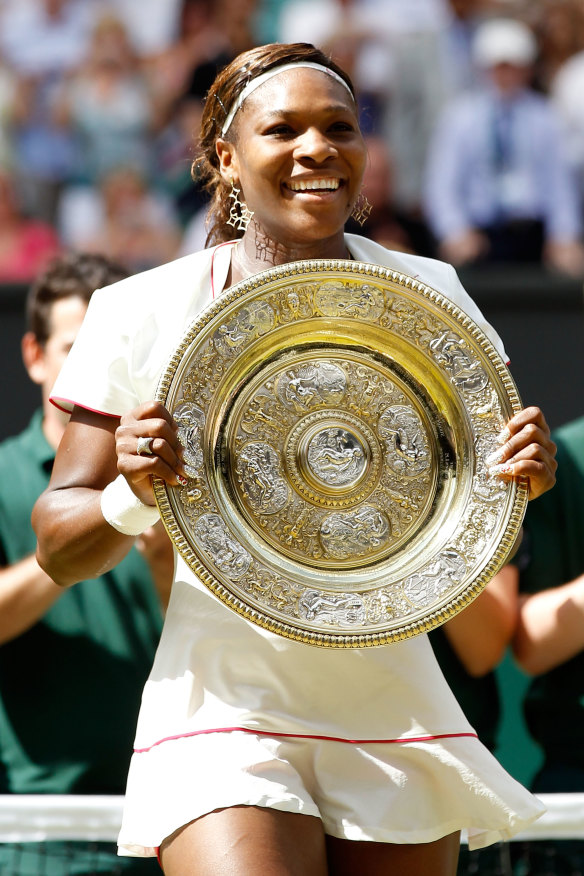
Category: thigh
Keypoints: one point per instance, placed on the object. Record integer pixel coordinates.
(247, 839)
(439, 858)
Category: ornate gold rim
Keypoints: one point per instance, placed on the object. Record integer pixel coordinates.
(423, 372)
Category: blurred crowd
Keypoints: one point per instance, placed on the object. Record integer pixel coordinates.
(471, 108)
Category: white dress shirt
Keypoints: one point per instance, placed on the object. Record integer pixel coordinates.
(468, 187)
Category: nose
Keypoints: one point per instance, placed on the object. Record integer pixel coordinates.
(314, 146)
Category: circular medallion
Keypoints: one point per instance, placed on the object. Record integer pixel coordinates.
(335, 418)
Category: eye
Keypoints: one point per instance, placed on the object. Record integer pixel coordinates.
(342, 126)
(281, 129)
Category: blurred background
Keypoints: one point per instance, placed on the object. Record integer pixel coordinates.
(100, 104)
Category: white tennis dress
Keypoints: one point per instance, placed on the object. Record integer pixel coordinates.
(372, 741)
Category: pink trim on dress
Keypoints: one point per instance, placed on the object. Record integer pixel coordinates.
(85, 408)
(254, 732)
(226, 243)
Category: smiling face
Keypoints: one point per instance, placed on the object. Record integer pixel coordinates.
(298, 156)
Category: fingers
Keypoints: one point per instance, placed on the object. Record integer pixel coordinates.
(160, 457)
(526, 451)
(526, 417)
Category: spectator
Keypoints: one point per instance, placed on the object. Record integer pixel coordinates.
(109, 104)
(566, 95)
(176, 150)
(559, 26)
(42, 143)
(26, 244)
(418, 89)
(199, 41)
(384, 224)
(123, 218)
(356, 37)
(549, 642)
(468, 659)
(395, 53)
(499, 187)
(235, 20)
(72, 662)
(460, 71)
(45, 38)
(42, 41)
(151, 24)
(209, 34)
(7, 92)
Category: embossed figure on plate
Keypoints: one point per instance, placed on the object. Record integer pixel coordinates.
(357, 533)
(333, 608)
(454, 355)
(406, 443)
(260, 473)
(336, 457)
(191, 421)
(350, 300)
(310, 384)
(225, 552)
(426, 587)
(248, 323)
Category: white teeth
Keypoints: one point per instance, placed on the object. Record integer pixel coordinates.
(315, 184)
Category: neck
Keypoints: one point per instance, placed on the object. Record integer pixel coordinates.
(257, 251)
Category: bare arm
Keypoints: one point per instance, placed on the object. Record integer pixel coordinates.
(26, 593)
(156, 547)
(550, 628)
(75, 542)
(479, 635)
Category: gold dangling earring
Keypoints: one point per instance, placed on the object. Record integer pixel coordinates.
(239, 215)
(362, 209)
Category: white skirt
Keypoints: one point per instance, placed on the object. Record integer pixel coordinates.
(405, 792)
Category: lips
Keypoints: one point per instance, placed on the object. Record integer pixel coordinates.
(314, 185)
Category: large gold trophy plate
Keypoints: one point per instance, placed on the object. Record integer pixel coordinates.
(336, 417)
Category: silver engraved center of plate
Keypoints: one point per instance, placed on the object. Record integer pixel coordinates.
(336, 457)
(333, 458)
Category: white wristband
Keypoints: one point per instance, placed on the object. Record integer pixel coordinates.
(123, 509)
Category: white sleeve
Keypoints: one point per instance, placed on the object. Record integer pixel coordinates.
(95, 374)
(462, 299)
(129, 333)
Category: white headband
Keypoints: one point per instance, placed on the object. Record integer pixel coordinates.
(263, 77)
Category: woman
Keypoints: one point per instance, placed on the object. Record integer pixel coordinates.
(231, 772)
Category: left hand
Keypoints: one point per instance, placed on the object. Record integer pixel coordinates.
(527, 451)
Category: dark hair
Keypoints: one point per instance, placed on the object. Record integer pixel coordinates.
(67, 276)
(220, 98)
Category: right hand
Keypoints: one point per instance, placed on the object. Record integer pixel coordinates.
(149, 420)
(464, 248)
(565, 256)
